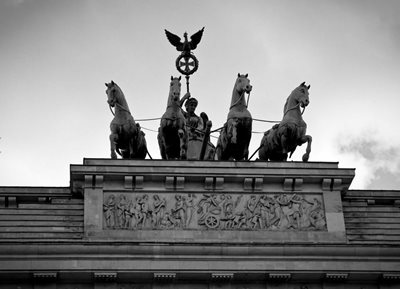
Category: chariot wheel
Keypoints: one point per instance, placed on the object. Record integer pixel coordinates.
(212, 222)
(187, 64)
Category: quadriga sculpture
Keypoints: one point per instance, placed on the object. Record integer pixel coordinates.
(126, 137)
(172, 136)
(233, 142)
(283, 138)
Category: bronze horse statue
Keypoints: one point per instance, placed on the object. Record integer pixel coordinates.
(172, 135)
(234, 139)
(283, 138)
(126, 137)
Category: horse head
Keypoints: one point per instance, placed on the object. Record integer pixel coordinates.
(174, 91)
(111, 93)
(300, 94)
(116, 98)
(243, 84)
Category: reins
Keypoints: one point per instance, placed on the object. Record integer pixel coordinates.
(294, 107)
(120, 106)
(109, 105)
(240, 98)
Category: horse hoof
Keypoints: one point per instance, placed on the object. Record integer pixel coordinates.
(306, 157)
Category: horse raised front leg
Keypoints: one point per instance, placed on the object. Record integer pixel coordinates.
(113, 142)
(308, 139)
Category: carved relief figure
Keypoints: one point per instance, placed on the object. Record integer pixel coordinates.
(145, 210)
(266, 204)
(179, 212)
(109, 211)
(158, 210)
(317, 217)
(189, 208)
(121, 208)
(167, 222)
(130, 218)
(137, 212)
(252, 212)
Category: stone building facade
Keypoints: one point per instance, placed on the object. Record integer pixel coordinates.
(200, 224)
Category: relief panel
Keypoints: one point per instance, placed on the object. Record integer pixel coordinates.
(190, 211)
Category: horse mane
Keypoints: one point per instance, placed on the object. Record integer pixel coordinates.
(286, 103)
(287, 100)
(170, 101)
(123, 98)
(241, 97)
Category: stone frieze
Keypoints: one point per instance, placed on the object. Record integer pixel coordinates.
(189, 211)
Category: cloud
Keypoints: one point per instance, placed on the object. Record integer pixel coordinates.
(377, 162)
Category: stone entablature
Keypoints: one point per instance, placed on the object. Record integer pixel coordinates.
(188, 176)
(179, 201)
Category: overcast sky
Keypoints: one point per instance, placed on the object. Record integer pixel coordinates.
(55, 57)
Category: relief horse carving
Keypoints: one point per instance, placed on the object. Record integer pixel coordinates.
(126, 137)
(172, 135)
(233, 142)
(283, 138)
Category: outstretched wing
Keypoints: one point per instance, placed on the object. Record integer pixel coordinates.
(175, 40)
(195, 38)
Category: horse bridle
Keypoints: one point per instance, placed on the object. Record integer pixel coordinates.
(120, 106)
(294, 107)
(240, 98)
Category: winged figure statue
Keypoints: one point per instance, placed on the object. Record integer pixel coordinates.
(186, 46)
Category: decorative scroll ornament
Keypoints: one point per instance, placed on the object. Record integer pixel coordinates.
(186, 63)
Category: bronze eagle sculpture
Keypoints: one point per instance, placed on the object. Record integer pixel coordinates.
(186, 46)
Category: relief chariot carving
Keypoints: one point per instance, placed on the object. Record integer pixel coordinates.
(166, 211)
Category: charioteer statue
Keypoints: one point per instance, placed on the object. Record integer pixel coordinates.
(196, 124)
(196, 129)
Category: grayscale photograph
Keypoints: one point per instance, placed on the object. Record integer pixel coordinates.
(199, 144)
